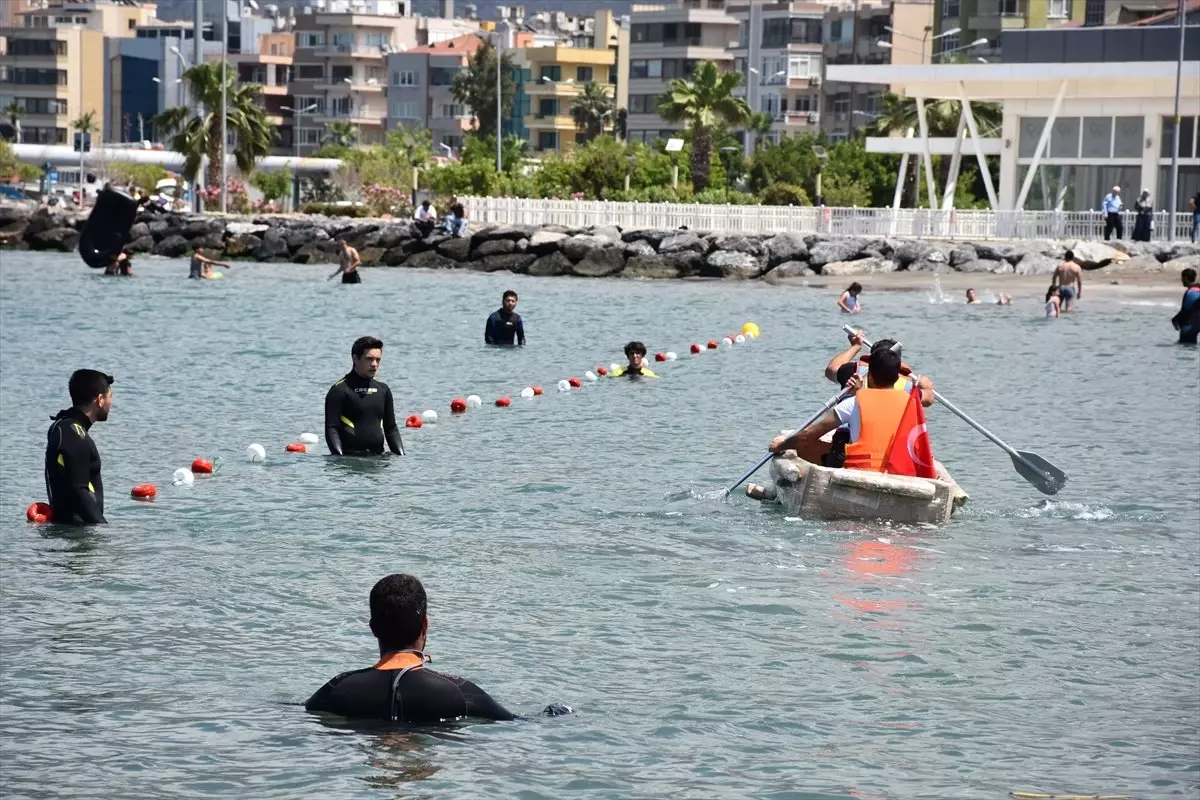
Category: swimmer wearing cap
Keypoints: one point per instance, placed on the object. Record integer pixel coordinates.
(400, 687)
(73, 483)
(359, 413)
(636, 353)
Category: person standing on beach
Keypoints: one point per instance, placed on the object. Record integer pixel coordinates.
(848, 302)
(504, 327)
(348, 264)
(73, 484)
(1187, 321)
(1194, 202)
(1111, 206)
(1065, 274)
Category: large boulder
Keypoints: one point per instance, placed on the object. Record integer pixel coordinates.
(457, 249)
(172, 246)
(789, 270)
(961, 254)
(934, 260)
(160, 228)
(1183, 262)
(243, 228)
(1093, 255)
(513, 262)
(139, 230)
(209, 241)
(999, 252)
(325, 251)
(64, 239)
(297, 238)
(1178, 250)
(273, 246)
(544, 242)
(577, 247)
(494, 247)
(1036, 264)
(195, 227)
(430, 259)
(784, 247)
(142, 244)
(731, 264)
(639, 247)
(981, 265)
(242, 244)
(390, 235)
(682, 243)
(834, 250)
(652, 236)
(371, 256)
(912, 250)
(510, 232)
(394, 257)
(601, 262)
(735, 243)
(655, 267)
(861, 266)
(550, 264)
(1138, 265)
(609, 233)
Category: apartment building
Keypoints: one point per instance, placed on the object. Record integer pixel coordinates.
(270, 66)
(341, 71)
(556, 74)
(419, 90)
(53, 63)
(667, 42)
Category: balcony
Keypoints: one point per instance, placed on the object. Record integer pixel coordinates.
(349, 51)
(799, 119)
(555, 122)
(356, 86)
(362, 115)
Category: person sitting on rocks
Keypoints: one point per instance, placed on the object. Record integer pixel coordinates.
(456, 220)
(425, 218)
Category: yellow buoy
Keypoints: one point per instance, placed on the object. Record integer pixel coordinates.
(750, 329)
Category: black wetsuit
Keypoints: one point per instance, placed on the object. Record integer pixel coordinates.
(504, 328)
(73, 484)
(360, 416)
(414, 696)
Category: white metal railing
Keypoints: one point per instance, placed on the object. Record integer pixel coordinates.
(966, 224)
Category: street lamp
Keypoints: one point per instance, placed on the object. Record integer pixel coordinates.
(296, 144)
(727, 159)
(924, 40)
(821, 155)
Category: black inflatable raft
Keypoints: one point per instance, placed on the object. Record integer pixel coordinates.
(107, 228)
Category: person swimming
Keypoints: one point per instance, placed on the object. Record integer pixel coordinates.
(636, 353)
(401, 687)
(849, 302)
(1002, 298)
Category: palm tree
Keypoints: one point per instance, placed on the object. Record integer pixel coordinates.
(14, 112)
(590, 108)
(620, 122)
(199, 137)
(759, 126)
(703, 102)
(340, 134)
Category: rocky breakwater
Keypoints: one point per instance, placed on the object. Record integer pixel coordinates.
(591, 252)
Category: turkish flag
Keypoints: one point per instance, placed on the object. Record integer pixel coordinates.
(911, 453)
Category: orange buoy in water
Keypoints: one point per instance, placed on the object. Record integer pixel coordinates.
(202, 466)
(297, 447)
(712, 344)
(144, 491)
(660, 356)
(38, 513)
(601, 371)
(413, 421)
(458, 405)
(574, 383)
(537, 391)
(503, 402)
(695, 349)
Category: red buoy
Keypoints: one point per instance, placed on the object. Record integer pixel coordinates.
(458, 405)
(202, 466)
(144, 491)
(575, 384)
(503, 402)
(712, 344)
(695, 349)
(537, 391)
(297, 447)
(38, 513)
(601, 371)
(412, 421)
(660, 356)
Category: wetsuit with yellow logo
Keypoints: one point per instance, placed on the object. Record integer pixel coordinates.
(73, 483)
(631, 372)
(401, 688)
(360, 417)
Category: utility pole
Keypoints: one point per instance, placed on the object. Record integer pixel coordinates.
(500, 99)
(1174, 194)
(198, 59)
(224, 115)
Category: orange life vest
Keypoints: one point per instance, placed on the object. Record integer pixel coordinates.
(879, 414)
(403, 660)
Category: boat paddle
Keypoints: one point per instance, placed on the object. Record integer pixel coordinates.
(842, 395)
(1045, 477)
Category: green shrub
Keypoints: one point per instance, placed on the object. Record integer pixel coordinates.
(334, 210)
(784, 194)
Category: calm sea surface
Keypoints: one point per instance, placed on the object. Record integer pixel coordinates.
(711, 649)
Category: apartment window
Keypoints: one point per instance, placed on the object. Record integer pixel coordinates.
(1058, 9)
(583, 74)
(1093, 12)
(547, 107)
(547, 140)
(342, 42)
(841, 107)
(310, 72)
(274, 49)
(948, 44)
(439, 76)
(37, 22)
(769, 104)
(404, 77)
(1187, 137)
(304, 101)
(1011, 8)
(41, 105)
(36, 47)
(872, 103)
(612, 76)
(311, 136)
(775, 32)
(805, 31)
(406, 110)
(551, 73)
(341, 74)
(801, 67)
(310, 39)
(379, 40)
(835, 31)
(452, 111)
(801, 102)
(771, 67)
(638, 69)
(744, 34)
(643, 103)
(953, 8)
(24, 76)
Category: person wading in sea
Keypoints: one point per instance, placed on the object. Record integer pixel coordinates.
(73, 483)
(1065, 274)
(348, 264)
(359, 412)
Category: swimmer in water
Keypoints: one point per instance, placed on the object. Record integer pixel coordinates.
(636, 353)
(73, 483)
(401, 687)
(359, 413)
(201, 266)
(1002, 299)
(348, 264)
(849, 302)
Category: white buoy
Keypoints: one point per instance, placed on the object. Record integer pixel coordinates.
(308, 438)
(184, 477)
(527, 392)
(727, 342)
(671, 356)
(589, 376)
(740, 339)
(256, 452)
(564, 386)
(429, 417)
(613, 368)
(473, 401)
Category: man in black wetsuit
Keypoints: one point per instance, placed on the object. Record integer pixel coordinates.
(400, 687)
(504, 326)
(359, 414)
(73, 484)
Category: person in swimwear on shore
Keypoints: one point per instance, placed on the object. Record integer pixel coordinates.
(401, 687)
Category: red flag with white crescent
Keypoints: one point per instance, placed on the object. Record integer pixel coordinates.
(911, 453)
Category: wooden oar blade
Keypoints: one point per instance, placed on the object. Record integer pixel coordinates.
(1047, 478)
